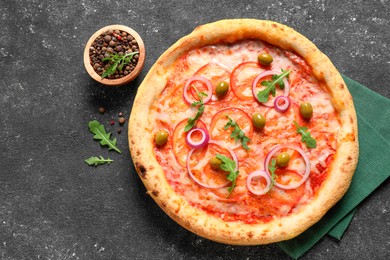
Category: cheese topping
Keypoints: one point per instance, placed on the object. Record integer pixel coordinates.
(237, 64)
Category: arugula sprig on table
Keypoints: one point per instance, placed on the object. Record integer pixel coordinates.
(100, 134)
(192, 120)
(117, 62)
(95, 161)
(263, 95)
(306, 136)
(237, 133)
(229, 165)
(105, 140)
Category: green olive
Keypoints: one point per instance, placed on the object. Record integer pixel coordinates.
(215, 163)
(306, 110)
(258, 121)
(222, 89)
(161, 137)
(265, 58)
(282, 159)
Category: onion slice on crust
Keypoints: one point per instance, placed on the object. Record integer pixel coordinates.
(204, 185)
(200, 143)
(281, 107)
(269, 73)
(305, 175)
(202, 79)
(258, 173)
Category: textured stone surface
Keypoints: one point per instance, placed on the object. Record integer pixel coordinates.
(53, 206)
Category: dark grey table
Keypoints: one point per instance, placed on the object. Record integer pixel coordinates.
(54, 206)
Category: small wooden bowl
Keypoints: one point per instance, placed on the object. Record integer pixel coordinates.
(120, 81)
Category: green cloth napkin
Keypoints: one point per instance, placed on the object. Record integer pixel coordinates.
(338, 230)
(373, 112)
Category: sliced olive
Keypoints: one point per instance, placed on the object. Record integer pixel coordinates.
(215, 163)
(222, 89)
(265, 58)
(161, 137)
(282, 159)
(258, 121)
(306, 110)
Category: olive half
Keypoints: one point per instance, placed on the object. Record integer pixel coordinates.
(283, 159)
(306, 110)
(258, 121)
(161, 137)
(265, 58)
(222, 89)
(215, 163)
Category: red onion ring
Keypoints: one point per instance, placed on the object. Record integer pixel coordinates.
(234, 156)
(197, 144)
(269, 73)
(202, 79)
(281, 108)
(305, 176)
(258, 173)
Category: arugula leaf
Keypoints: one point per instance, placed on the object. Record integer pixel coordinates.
(100, 134)
(95, 161)
(117, 62)
(306, 137)
(229, 165)
(192, 120)
(263, 95)
(272, 168)
(237, 133)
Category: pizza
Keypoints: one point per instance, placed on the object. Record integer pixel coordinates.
(244, 133)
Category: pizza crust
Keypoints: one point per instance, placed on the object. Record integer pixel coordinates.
(198, 221)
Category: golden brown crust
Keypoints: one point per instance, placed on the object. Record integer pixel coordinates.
(196, 220)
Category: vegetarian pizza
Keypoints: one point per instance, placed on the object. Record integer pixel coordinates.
(244, 133)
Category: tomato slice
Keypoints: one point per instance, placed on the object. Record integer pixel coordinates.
(279, 124)
(179, 145)
(287, 199)
(202, 171)
(240, 192)
(277, 202)
(242, 77)
(214, 73)
(236, 195)
(219, 120)
(287, 176)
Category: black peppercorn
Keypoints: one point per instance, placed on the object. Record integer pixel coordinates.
(112, 43)
(122, 120)
(107, 38)
(102, 110)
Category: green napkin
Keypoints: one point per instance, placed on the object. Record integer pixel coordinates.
(373, 112)
(338, 230)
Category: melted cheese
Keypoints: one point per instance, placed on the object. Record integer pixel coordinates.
(171, 109)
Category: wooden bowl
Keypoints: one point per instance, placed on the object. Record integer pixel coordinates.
(120, 81)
